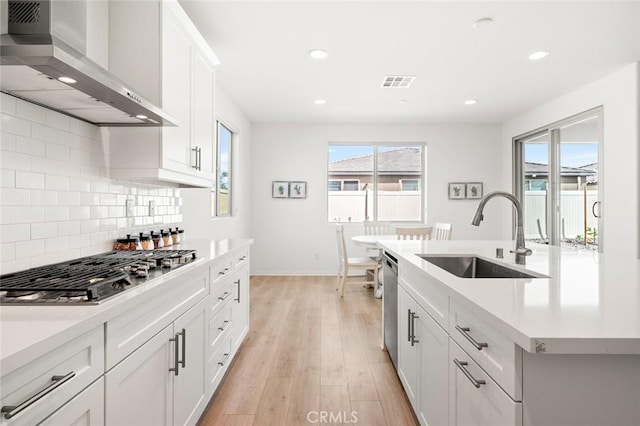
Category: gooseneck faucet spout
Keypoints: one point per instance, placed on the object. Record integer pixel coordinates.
(521, 251)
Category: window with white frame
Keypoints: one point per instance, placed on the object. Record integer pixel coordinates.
(221, 191)
(376, 182)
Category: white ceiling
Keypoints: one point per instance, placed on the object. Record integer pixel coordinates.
(263, 46)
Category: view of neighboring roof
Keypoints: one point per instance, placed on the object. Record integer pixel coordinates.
(543, 170)
(402, 161)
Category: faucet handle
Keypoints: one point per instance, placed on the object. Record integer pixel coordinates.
(522, 251)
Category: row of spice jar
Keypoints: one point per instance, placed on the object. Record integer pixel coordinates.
(150, 241)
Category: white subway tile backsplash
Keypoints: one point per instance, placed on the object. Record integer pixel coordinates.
(56, 214)
(15, 161)
(29, 248)
(44, 133)
(44, 165)
(68, 255)
(14, 265)
(79, 213)
(71, 198)
(7, 252)
(99, 186)
(29, 214)
(71, 227)
(7, 215)
(7, 178)
(14, 197)
(29, 180)
(99, 212)
(47, 259)
(115, 211)
(71, 169)
(30, 146)
(33, 111)
(108, 224)
(15, 125)
(43, 197)
(108, 199)
(78, 241)
(57, 244)
(89, 226)
(8, 142)
(43, 230)
(58, 152)
(13, 233)
(60, 183)
(58, 121)
(8, 104)
(79, 184)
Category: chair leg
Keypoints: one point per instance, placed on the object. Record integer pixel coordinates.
(344, 280)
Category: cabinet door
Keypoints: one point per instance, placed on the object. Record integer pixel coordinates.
(86, 409)
(474, 398)
(190, 388)
(240, 307)
(433, 356)
(139, 390)
(176, 93)
(202, 126)
(407, 353)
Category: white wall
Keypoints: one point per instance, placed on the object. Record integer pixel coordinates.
(56, 199)
(196, 212)
(619, 93)
(293, 236)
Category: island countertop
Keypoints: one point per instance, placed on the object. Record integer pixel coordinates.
(589, 305)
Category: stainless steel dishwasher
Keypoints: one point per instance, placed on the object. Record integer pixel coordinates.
(390, 300)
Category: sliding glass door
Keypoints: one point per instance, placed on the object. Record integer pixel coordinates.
(557, 180)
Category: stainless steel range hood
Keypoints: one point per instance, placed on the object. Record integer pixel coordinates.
(41, 68)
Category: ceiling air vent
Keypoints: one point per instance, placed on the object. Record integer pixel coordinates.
(397, 81)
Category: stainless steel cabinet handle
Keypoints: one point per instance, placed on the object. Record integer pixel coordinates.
(176, 364)
(474, 342)
(11, 410)
(225, 327)
(184, 348)
(408, 325)
(226, 295)
(461, 364)
(224, 360)
(413, 329)
(223, 272)
(237, 282)
(195, 150)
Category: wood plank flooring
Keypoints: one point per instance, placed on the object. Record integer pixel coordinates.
(309, 354)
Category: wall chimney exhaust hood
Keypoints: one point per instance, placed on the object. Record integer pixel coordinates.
(39, 67)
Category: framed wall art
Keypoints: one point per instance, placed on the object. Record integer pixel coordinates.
(474, 190)
(297, 189)
(280, 189)
(457, 190)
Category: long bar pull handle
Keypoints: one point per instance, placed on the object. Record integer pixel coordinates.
(184, 348)
(237, 282)
(199, 158)
(413, 329)
(408, 325)
(176, 362)
(461, 365)
(224, 360)
(12, 410)
(195, 150)
(474, 342)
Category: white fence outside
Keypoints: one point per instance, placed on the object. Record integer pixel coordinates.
(571, 210)
(349, 206)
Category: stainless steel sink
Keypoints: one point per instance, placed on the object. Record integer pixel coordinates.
(476, 267)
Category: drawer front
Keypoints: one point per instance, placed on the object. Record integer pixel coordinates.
(221, 295)
(474, 398)
(85, 409)
(493, 351)
(426, 291)
(241, 257)
(219, 361)
(130, 330)
(75, 365)
(219, 269)
(219, 325)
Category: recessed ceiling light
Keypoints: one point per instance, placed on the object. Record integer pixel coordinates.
(319, 102)
(403, 101)
(538, 55)
(482, 23)
(67, 80)
(141, 116)
(318, 54)
(471, 102)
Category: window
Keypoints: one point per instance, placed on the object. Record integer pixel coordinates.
(376, 182)
(221, 191)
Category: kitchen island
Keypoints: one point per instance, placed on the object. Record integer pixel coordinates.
(527, 351)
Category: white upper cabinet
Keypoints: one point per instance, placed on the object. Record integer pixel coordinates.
(170, 63)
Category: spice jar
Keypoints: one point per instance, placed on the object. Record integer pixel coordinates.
(146, 242)
(174, 236)
(157, 240)
(180, 235)
(166, 238)
(129, 243)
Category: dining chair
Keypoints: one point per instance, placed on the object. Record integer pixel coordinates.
(345, 263)
(413, 232)
(376, 228)
(441, 231)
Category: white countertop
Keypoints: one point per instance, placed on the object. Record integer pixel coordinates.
(591, 303)
(27, 332)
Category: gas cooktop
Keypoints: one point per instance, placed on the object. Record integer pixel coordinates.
(89, 280)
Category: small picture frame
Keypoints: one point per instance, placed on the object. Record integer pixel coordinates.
(298, 189)
(457, 190)
(280, 189)
(474, 190)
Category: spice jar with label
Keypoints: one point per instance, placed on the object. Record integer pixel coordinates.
(146, 242)
(157, 240)
(166, 238)
(174, 236)
(129, 243)
(180, 235)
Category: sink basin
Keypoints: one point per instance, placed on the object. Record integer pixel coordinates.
(476, 267)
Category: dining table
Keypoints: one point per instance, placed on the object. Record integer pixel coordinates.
(371, 242)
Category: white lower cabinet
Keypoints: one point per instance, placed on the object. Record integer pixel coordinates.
(423, 348)
(86, 409)
(240, 306)
(475, 399)
(162, 382)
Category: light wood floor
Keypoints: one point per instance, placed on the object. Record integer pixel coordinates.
(310, 351)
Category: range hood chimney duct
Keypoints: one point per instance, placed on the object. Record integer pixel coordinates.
(39, 67)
